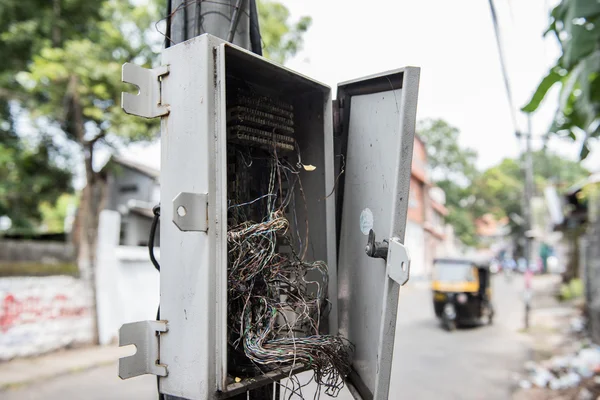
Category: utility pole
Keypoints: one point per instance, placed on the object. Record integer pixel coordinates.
(529, 189)
(528, 193)
(235, 21)
(527, 160)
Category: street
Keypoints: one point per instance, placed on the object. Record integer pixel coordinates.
(470, 363)
(429, 363)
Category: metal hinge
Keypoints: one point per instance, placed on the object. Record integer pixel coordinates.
(144, 335)
(148, 102)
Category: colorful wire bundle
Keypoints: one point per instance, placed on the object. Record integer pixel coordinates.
(276, 299)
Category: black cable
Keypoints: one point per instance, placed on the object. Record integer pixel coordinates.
(155, 220)
(513, 116)
(168, 32)
(255, 39)
(156, 212)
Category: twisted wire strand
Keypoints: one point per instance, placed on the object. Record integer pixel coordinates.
(276, 299)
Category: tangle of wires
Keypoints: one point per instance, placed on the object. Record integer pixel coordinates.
(276, 299)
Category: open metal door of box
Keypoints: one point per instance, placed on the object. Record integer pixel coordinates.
(376, 125)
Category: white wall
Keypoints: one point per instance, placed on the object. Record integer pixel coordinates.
(127, 283)
(41, 314)
(414, 240)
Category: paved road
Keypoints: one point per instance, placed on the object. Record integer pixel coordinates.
(429, 363)
(467, 364)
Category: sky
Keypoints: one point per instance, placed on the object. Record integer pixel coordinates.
(454, 44)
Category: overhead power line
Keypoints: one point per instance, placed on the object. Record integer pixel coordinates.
(511, 103)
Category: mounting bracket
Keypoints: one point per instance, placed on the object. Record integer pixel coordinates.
(144, 335)
(147, 103)
(190, 211)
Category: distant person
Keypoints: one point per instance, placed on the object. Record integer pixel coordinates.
(522, 264)
(509, 266)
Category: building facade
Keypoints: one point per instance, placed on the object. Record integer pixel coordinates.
(133, 189)
(425, 227)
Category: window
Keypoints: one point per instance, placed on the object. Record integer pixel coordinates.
(128, 188)
(447, 271)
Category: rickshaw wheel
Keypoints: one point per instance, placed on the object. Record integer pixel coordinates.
(449, 325)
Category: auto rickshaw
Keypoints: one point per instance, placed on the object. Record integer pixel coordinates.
(461, 292)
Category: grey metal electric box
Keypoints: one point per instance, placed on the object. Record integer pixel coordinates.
(356, 159)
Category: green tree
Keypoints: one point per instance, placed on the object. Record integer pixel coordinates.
(30, 25)
(28, 175)
(76, 87)
(73, 85)
(499, 190)
(63, 65)
(460, 217)
(576, 25)
(452, 169)
(28, 171)
(445, 157)
(549, 167)
(54, 215)
(281, 39)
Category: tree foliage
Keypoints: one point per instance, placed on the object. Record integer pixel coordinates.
(28, 176)
(78, 86)
(576, 25)
(446, 158)
(461, 218)
(29, 172)
(30, 25)
(281, 39)
(453, 170)
(549, 167)
(498, 190)
(54, 215)
(62, 63)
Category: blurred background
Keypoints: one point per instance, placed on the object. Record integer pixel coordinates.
(505, 169)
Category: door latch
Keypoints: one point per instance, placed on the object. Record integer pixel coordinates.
(376, 249)
(394, 253)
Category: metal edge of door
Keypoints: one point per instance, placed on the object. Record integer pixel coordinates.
(408, 118)
(220, 152)
(408, 80)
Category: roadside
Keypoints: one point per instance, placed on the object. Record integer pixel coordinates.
(485, 358)
(18, 373)
(563, 363)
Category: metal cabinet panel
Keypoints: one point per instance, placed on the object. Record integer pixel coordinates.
(378, 122)
(194, 176)
(189, 297)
